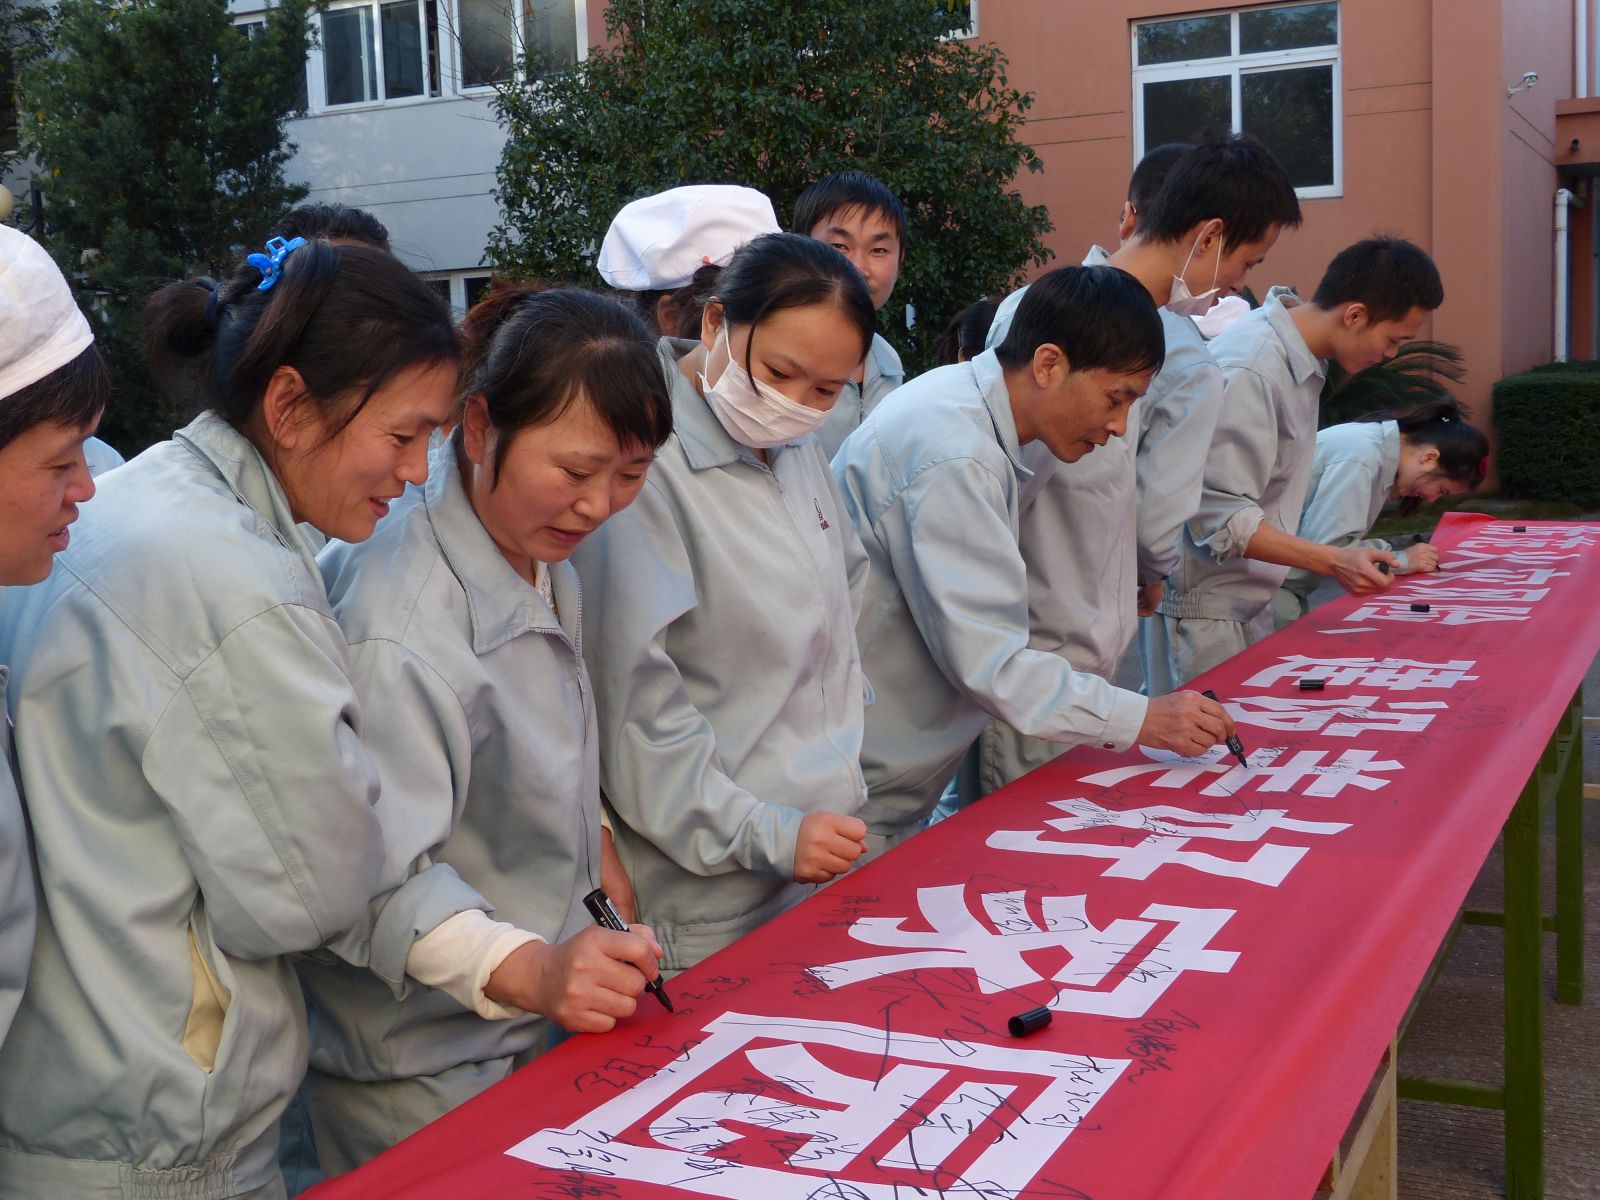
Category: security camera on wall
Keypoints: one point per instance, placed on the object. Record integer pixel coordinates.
(1529, 78)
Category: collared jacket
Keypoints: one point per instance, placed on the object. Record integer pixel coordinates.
(480, 718)
(16, 887)
(883, 373)
(719, 635)
(1258, 468)
(188, 740)
(1352, 472)
(1096, 530)
(934, 482)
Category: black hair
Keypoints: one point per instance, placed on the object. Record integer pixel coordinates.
(1145, 182)
(74, 395)
(1230, 176)
(845, 190)
(1390, 275)
(347, 317)
(777, 271)
(1099, 316)
(336, 222)
(1463, 447)
(539, 350)
(963, 338)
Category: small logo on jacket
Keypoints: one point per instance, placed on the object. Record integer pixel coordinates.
(821, 520)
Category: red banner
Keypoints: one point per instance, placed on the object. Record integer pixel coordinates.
(1224, 951)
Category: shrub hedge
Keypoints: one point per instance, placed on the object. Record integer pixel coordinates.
(1548, 421)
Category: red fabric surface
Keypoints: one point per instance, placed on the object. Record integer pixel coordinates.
(1239, 1079)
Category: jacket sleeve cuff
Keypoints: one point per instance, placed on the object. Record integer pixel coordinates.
(774, 833)
(1234, 536)
(1122, 727)
(417, 907)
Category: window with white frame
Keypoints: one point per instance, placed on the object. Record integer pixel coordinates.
(461, 289)
(492, 35)
(254, 25)
(963, 20)
(374, 52)
(1272, 71)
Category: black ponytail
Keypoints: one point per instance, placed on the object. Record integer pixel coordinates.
(348, 318)
(1463, 448)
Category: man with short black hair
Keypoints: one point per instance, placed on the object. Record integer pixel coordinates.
(1099, 536)
(933, 481)
(1236, 550)
(859, 216)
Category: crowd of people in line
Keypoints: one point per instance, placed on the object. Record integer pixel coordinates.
(328, 712)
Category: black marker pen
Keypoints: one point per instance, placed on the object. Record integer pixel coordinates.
(1235, 746)
(606, 916)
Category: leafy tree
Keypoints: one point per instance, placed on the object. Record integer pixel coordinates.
(159, 128)
(22, 36)
(773, 96)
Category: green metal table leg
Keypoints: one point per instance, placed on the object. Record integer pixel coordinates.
(1524, 995)
(1569, 862)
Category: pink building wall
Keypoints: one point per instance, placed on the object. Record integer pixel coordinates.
(1432, 148)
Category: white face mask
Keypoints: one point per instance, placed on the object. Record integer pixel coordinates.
(754, 413)
(1184, 302)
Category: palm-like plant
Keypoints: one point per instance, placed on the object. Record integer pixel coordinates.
(1419, 372)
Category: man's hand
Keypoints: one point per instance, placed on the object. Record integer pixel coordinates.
(1355, 569)
(1186, 723)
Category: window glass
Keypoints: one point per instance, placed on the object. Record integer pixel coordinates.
(1291, 111)
(402, 49)
(486, 41)
(1176, 110)
(1189, 38)
(551, 34)
(349, 67)
(1289, 28)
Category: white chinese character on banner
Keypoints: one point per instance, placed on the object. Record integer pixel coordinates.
(1271, 769)
(1388, 674)
(981, 1121)
(1487, 595)
(1540, 539)
(1442, 614)
(1499, 576)
(1346, 718)
(995, 948)
(1168, 832)
(1465, 555)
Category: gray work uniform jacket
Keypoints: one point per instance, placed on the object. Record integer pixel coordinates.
(719, 633)
(933, 481)
(1258, 468)
(1354, 468)
(480, 718)
(882, 375)
(188, 740)
(16, 886)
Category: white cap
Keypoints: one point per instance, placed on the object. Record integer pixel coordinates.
(659, 242)
(41, 327)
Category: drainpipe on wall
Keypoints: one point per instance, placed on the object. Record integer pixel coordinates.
(1563, 202)
(1580, 48)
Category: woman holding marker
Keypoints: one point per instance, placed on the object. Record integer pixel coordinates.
(463, 617)
(1414, 457)
(187, 732)
(720, 628)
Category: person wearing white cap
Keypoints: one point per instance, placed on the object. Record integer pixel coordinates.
(52, 391)
(664, 249)
(187, 734)
(719, 626)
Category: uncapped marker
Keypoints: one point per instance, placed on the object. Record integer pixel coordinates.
(1235, 746)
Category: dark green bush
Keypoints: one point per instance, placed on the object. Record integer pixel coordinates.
(1549, 427)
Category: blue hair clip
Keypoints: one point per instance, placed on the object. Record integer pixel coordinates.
(270, 264)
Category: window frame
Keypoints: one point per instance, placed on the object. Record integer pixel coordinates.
(580, 31)
(444, 27)
(1236, 66)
